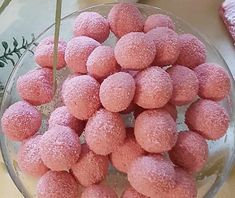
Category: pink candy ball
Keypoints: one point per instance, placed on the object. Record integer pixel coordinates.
(155, 131)
(105, 132)
(214, 81)
(192, 51)
(185, 186)
(90, 168)
(117, 91)
(158, 20)
(135, 51)
(60, 148)
(207, 118)
(61, 116)
(36, 86)
(185, 85)
(167, 46)
(98, 191)
(57, 185)
(45, 51)
(150, 175)
(93, 25)
(20, 121)
(28, 158)
(153, 88)
(101, 62)
(130, 192)
(190, 151)
(81, 96)
(77, 52)
(125, 18)
(127, 153)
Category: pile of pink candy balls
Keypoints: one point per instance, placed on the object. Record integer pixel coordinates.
(149, 72)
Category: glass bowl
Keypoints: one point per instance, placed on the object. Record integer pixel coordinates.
(209, 180)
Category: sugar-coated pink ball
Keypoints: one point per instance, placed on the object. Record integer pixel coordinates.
(117, 91)
(192, 51)
(158, 20)
(185, 85)
(130, 108)
(214, 81)
(57, 185)
(153, 88)
(167, 46)
(81, 96)
(69, 77)
(20, 121)
(93, 25)
(185, 186)
(130, 192)
(60, 148)
(151, 175)
(61, 116)
(77, 52)
(155, 131)
(207, 118)
(90, 168)
(45, 51)
(101, 63)
(98, 191)
(36, 86)
(28, 158)
(190, 151)
(126, 153)
(105, 132)
(125, 18)
(135, 51)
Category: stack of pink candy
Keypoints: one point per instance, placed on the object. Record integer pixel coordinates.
(150, 71)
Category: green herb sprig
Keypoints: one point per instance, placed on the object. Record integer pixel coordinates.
(17, 50)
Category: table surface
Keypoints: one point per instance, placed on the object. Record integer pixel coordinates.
(202, 14)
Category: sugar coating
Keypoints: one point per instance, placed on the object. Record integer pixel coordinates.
(130, 192)
(69, 77)
(125, 18)
(207, 118)
(192, 51)
(155, 131)
(185, 186)
(214, 81)
(190, 151)
(77, 52)
(98, 191)
(105, 132)
(45, 50)
(185, 85)
(101, 62)
(127, 153)
(57, 185)
(36, 86)
(167, 46)
(90, 168)
(150, 175)
(153, 88)
(158, 20)
(81, 96)
(61, 116)
(135, 51)
(93, 25)
(28, 158)
(20, 121)
(60, 148)
(117, 91)
(170, 108)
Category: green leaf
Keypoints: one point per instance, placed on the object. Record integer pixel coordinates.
(15, 43)
(9, 51)
(3, 59)
(10, 59)
(18, 54)
(5, 45)
(2, 64)
(23, 42)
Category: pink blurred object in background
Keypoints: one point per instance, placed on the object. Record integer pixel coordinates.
(227, 12)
